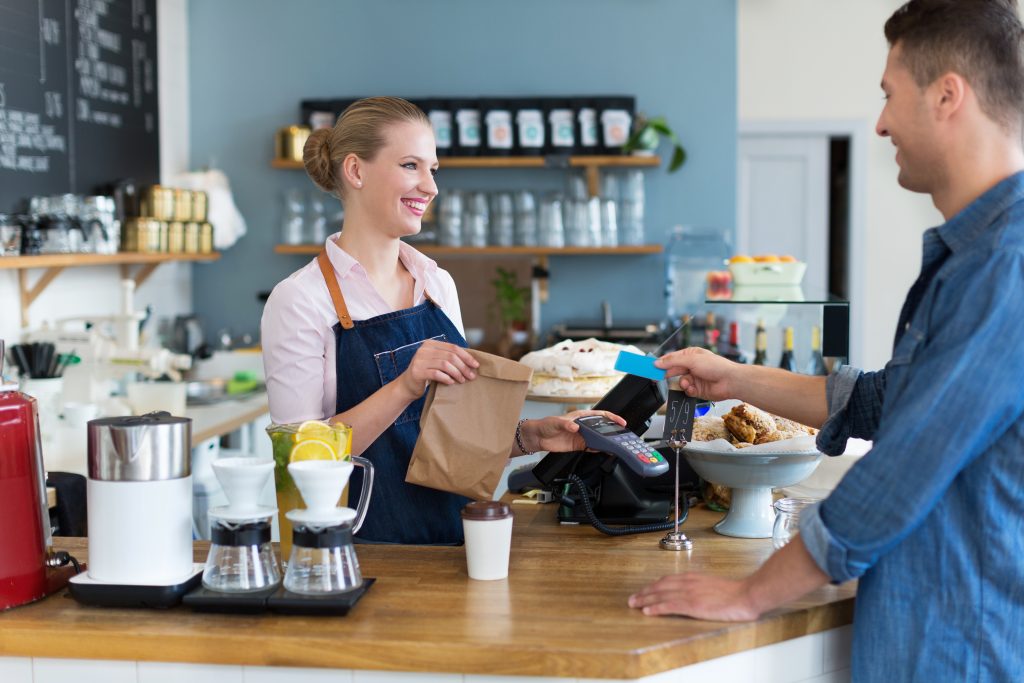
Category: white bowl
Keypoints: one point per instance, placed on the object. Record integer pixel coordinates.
(751, 478)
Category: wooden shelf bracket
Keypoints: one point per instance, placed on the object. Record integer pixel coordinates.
(30, 294)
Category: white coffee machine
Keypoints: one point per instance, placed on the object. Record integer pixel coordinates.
(139, 493)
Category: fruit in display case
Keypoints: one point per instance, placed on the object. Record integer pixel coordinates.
(766, 269)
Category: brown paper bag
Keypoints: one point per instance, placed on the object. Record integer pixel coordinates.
(467, 430)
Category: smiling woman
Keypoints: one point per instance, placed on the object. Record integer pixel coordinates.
(356, 335)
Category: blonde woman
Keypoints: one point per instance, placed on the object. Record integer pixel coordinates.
(358, 333)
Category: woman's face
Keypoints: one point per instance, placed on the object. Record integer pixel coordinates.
(399, 183)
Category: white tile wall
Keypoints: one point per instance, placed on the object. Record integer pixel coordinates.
(282, 674)
(837, 644)
(16, 669)
(791, 660)
(840, 676)
(402, 677)
(83, 671)
(175, 672)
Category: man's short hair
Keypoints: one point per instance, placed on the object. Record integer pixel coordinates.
(981, 40)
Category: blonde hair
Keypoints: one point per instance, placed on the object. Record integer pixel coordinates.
(359, 130)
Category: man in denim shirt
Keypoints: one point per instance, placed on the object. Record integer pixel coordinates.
(932, 519)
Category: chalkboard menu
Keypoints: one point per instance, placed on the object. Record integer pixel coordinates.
(78, 96)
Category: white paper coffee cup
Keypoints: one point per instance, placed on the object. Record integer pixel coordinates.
(488, 528)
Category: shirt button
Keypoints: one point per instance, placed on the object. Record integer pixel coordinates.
(906, 326)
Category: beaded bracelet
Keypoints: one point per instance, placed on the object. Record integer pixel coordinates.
(519, 438)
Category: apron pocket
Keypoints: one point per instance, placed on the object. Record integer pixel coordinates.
(391, 364)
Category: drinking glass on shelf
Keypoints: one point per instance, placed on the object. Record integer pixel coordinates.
(450, 219)
(475, 220)
(526, 219)
(574, 221)
(502, 220)
(10, 235)
(550, 230)
(592, 215)
(609, 223)
(292, 221)
(317, 224)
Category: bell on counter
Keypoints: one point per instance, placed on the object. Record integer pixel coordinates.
(241, 558)
(323, 560)
(139, 494)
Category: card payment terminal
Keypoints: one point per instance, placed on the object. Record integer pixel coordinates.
(606, 436)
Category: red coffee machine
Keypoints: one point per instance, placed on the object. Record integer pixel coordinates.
(25, 542)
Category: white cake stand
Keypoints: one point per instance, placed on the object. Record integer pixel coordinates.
(751, 478)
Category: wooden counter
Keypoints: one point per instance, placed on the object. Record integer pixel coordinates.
(562, 612)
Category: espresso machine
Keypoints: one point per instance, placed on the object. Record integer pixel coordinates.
(28, 565)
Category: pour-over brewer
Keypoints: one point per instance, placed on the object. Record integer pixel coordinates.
(323, 560)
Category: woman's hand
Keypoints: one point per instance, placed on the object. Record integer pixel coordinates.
(701, 373)
(440, 362)
(559, 433)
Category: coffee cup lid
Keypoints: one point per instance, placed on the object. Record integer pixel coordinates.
(486, 510)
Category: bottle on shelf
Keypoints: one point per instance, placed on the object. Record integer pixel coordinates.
(732, 349)
(788, 361)
(711, 333)
(816, 366)
(761, 345)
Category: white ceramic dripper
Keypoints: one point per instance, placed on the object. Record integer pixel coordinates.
(321, 483)
(243, 480)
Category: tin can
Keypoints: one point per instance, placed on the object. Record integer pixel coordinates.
(199, 202)
(192, 237)
(205, 238)
(182, 205)
(157, 202)
(176, 237)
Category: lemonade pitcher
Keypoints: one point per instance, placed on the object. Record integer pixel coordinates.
(297, 442)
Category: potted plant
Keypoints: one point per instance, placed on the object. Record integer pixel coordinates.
(646, 137)
(511, 302)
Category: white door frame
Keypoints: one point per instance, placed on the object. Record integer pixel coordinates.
(858, 133)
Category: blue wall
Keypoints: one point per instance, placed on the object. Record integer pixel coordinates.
(252, 61)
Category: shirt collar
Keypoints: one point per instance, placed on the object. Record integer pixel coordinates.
(965, 228)
(415, 262)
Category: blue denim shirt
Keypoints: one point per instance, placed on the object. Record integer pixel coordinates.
(932, 518)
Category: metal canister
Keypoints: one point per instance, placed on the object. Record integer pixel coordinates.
(157, 202)
(192, 237)
(149, 235)
(182, 205)
(175, 237)
(130, 234)
(199, 202)
(205, 238)
(290, 141)
(163, 231)
(140, 499)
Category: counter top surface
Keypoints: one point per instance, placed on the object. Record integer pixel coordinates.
(561, 612)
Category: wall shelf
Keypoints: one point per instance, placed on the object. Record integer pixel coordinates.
(434, 250)
(590, 164)
(53, 264)
(538, 254)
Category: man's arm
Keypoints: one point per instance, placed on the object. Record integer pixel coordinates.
(702, 373)
(786, 576)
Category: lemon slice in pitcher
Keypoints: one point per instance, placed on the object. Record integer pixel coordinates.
(321, 431)
(313, 449)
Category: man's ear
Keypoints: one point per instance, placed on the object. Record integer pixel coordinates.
(949, 93)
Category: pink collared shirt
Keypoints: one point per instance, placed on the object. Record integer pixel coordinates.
(297, 327)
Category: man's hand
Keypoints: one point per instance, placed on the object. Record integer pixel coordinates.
(560, 433)
(702, 373)
(440, 362)
(789, 574)
(696, 595)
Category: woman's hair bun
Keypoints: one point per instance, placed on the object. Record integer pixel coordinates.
(316, 156)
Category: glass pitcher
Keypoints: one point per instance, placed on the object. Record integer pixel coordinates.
(298, 441)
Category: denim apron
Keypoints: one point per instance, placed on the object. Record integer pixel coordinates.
(369, 354)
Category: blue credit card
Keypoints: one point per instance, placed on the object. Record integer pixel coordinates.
(642, 366)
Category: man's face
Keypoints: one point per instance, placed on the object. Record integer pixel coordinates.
(907, 120)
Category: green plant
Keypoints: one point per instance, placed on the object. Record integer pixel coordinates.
(510, 299)
(648, 133)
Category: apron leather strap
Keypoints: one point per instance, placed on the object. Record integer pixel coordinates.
(332, 286)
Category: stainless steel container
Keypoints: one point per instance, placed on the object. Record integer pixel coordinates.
(199, 206)
(183, 205)
(192, 237)
(290, 141)
(140, 499)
